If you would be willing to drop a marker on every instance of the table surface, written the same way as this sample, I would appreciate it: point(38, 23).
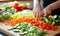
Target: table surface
point(3, 34)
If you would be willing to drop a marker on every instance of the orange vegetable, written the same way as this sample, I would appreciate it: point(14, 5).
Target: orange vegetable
point(18, 20)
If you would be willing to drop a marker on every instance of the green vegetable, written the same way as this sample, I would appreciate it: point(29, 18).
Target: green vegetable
point(6, 15)
point(58, 22)
point(26, 13)
point(11, 11)
point(0, 13)
point(53, 20)
point(45, 19)
point(28, 30)
point(41, 33)
point(0, 17)
point(6, 8)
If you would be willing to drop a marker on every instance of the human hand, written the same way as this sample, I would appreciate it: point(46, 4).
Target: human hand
point(49, 8)
point(37, 14)
point(37, 9)
point(47, 11)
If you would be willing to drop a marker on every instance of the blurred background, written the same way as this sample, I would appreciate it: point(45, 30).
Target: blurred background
point(21, 1)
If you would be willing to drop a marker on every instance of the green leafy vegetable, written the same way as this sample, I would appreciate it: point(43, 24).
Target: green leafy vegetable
point(6, 15)
point(0, 13)
point(46, 19)
point(6, 8)
point(53, 20)
point(28, 30)
point(11, 11)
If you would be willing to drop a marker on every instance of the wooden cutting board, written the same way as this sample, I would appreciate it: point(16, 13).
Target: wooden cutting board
point(3, 28)
point(53, 33)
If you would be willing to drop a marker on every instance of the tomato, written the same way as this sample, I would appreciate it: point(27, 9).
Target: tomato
point(20, 8)
point(16, 6)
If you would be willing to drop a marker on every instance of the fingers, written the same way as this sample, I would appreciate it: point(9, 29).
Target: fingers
point(46, 12)
point(38, 15)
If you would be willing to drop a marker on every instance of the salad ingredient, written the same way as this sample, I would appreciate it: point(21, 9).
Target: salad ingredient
point(0, 13)
point(44, 26)
point(18, 7)
point(28, 29)
point(51, 19)
point(11, 11)
point(15, 5)
point(6, 8)
point(0, 17)
point(25, 5)
point(24, 16)
point(58, 21)
point(17, 20)
point(25, 13)
point(6, 15)
point(40, 24)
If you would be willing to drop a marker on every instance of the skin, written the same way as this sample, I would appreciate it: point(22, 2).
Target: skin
point(46, 11)
point(49, 8)
point(36, 9)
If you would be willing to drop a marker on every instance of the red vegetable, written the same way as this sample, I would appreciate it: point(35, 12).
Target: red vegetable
point(43, 25)
point(53, 28)
point(20, 8)
point(16, 5)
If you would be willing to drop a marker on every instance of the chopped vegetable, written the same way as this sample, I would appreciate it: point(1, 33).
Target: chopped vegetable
point(0, 13)
point(11, 11)
point(6, 8)
point(0, 17)
point(17, 20)
point(51, 19)
point(24, 16)
point(28, 30)
point(25, 5)
point(6, 15)
point(25, 13)
point(44, 26)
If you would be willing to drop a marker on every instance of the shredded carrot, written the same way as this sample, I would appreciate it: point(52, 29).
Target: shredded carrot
point(18, 20)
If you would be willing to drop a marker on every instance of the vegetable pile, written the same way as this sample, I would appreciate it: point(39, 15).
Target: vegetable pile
point(53, 20)
point(28, 30)
point(24, 21)
point(14, 5)
point(28, 16)
point(24, 16)
point(44, 26)
point(4, 16)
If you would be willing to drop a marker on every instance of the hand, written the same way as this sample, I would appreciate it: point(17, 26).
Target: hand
point(37, 9)
point(49, 8)
point(47, 11)
point(37, 14)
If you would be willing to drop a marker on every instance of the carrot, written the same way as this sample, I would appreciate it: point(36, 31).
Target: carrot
point(18, 20)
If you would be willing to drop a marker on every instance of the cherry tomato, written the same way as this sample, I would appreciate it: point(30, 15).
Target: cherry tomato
point(16, 5)
point(20, 8)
